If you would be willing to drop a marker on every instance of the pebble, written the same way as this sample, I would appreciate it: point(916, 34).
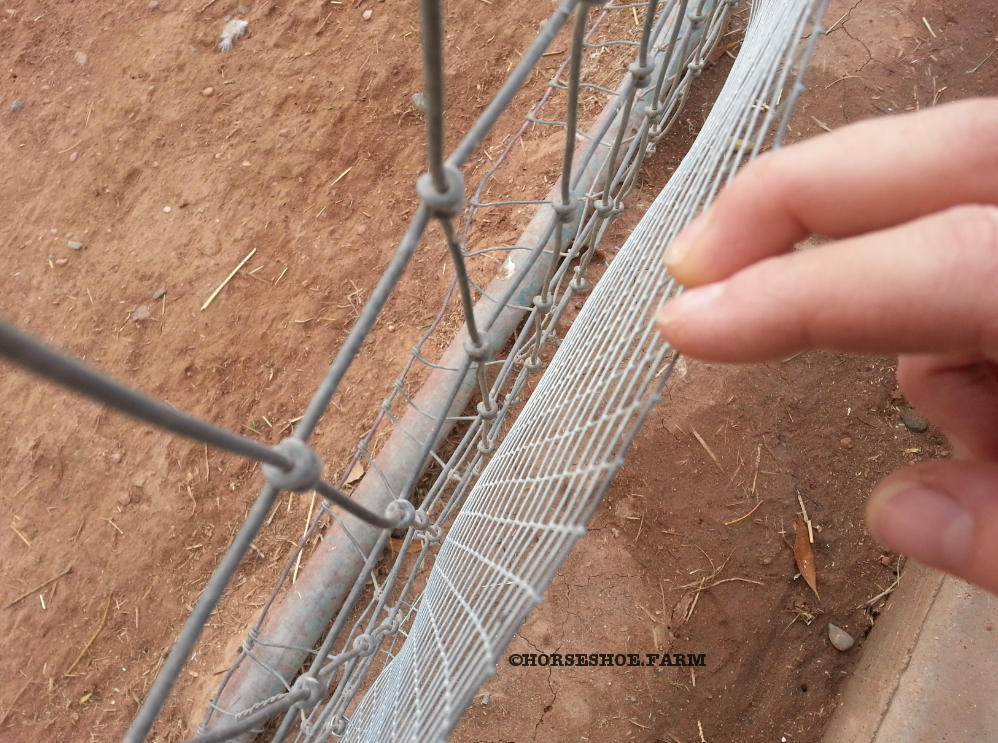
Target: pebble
point(17, 105)
point(141, 313)
point(419, 101)
point(913, 421)
point(74, 245)
point(167, 210)
point(54, 231)
point(208, 91)
point(115, 457)
point(73, 157)
point(80, 57)
point(159, 294)
point(840, 639)
point(845, 442)
point(366, 15)
point(62, 261)
point(153, 4)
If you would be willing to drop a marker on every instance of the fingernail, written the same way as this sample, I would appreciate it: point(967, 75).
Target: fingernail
point(926, 524)
point(687, 240)
point(690, 302)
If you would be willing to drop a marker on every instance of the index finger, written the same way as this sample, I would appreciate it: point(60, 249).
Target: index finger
point(863, 177)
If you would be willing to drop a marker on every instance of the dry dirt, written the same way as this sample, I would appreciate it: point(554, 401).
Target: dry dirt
point(129, 109)
point(821, 426)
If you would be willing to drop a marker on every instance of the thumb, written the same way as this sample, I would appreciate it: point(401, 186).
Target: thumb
point(944, 514)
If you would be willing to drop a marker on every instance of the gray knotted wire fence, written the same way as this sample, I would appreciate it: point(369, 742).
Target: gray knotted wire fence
point(509, 499)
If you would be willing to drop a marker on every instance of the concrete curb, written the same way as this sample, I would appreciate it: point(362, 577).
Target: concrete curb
point(929, 670)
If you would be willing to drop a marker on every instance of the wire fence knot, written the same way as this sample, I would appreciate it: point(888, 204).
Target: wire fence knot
point(641, 74)
point(402, 512)
point(314, 689)
point(605, 207)
point(364, 644)
point(433, 534)
point(566, 211)
point(442, 204)
point(478, 352)
point(305, 472)
point(542, 304)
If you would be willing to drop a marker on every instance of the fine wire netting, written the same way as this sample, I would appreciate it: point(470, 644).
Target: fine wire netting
point(675, 40)
point(536, 494)
point(488, 456)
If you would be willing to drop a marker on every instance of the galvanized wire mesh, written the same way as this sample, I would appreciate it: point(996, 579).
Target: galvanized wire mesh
point(396, 652)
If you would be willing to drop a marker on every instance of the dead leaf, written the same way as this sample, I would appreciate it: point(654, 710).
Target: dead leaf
point(804, 555)
point(356, 472)
point(682, 608)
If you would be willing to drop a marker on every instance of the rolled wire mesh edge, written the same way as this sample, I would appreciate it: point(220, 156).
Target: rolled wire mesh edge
point(329, 579)
point(537, 492)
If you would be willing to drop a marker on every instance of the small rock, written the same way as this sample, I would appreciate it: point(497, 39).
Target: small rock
point(845, 442)
point(62, 261)
point(419, 101)
point(913, 421)
point(242, 9)
point(80, 57)
point(840, 639)
point(167, 210)
point(124, 499)
point(73, 157)
point(208, 91)
point(886, 560)
point(141, 313)
point(366, 15)
point(246, 163)
point(54, 231)
point(17, 105)
point(115, 457)
point(766, 561)
point(153, 4)
point(74, 245)
point(159, 294)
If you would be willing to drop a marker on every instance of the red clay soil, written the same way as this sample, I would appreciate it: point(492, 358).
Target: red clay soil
point(170, 162)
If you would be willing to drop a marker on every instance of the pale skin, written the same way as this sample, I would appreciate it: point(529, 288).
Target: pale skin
point(911, 202)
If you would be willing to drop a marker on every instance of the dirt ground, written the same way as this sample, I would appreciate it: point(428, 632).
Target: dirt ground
point(821, 427)
point(170, 162)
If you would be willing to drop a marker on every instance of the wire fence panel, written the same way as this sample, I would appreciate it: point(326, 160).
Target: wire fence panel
point(477, 485)
point(537, 492)
point(551, 258)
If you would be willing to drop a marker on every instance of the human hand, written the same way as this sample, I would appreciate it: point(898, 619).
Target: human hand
point(912, 202)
